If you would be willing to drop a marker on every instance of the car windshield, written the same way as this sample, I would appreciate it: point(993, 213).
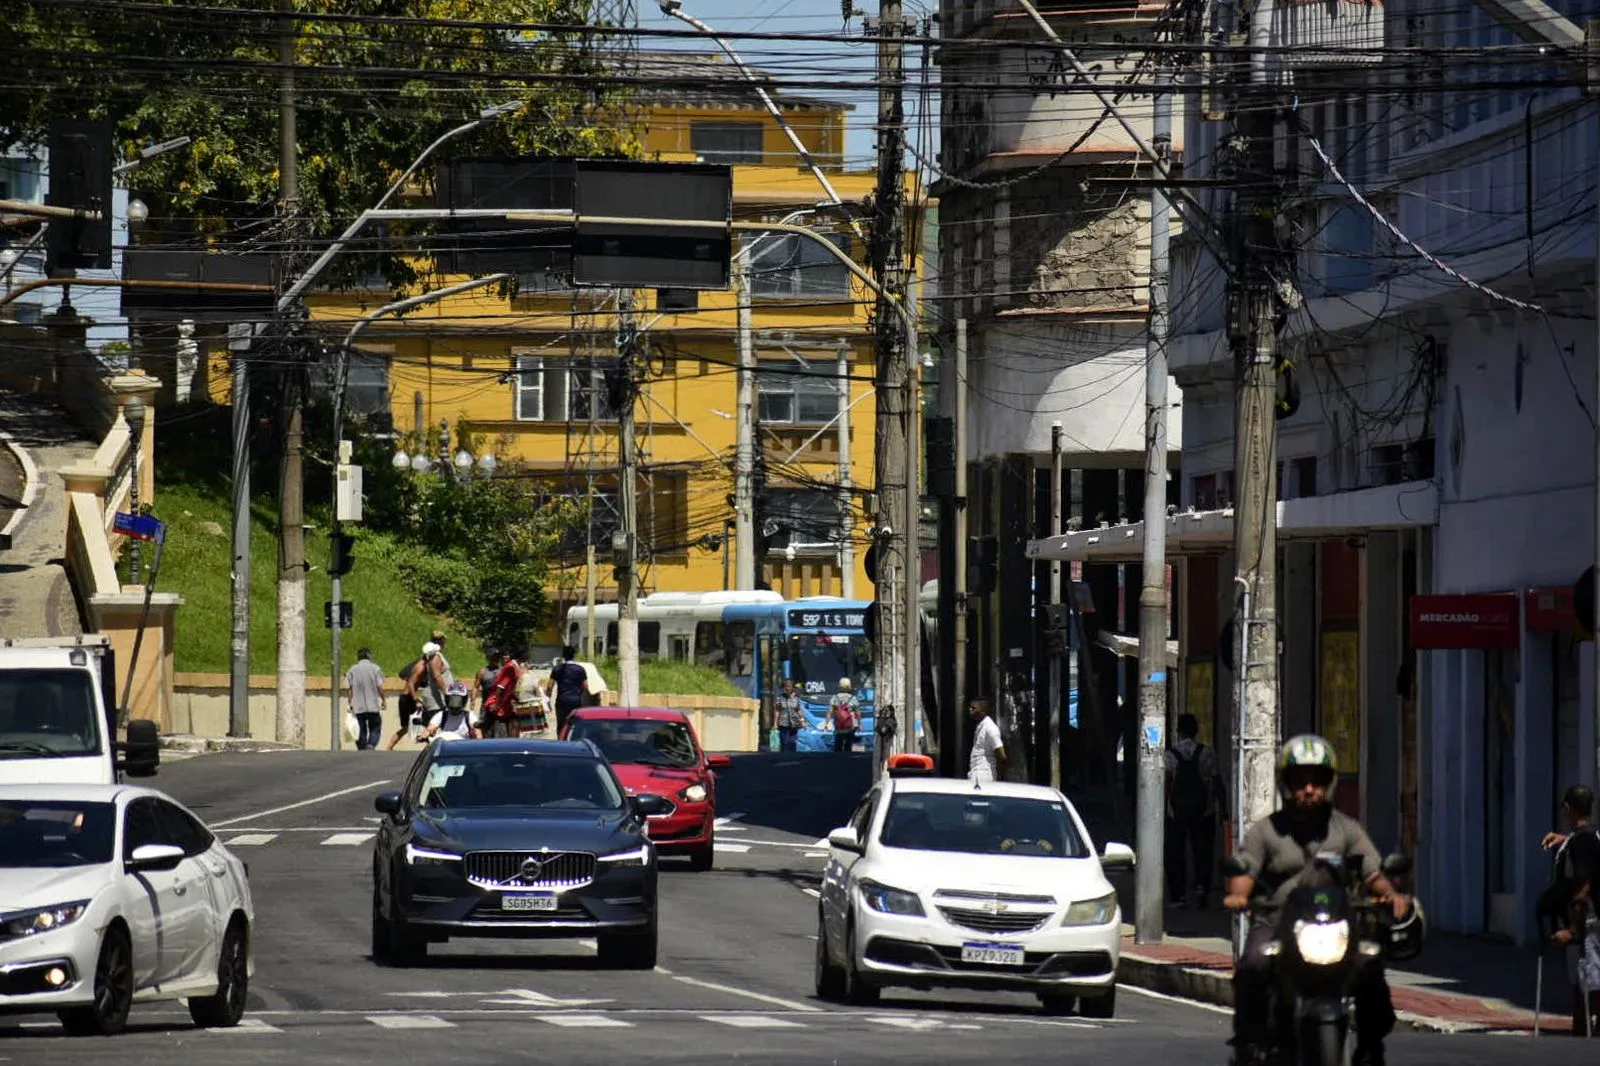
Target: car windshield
point(638, 740)
point(977, 824)
point(461, 778)
point(817, 661)
point(47, 712)
point(37, 833)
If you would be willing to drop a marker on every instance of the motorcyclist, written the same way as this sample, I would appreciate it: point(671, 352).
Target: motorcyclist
point(1277, 852)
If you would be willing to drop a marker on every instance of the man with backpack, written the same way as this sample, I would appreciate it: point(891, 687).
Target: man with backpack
point(1193, 790)
point(410, 676)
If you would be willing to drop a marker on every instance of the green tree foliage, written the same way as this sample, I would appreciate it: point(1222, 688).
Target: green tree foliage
point(377, 81)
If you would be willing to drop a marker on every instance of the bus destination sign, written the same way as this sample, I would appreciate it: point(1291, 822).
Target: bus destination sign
point(856, 619)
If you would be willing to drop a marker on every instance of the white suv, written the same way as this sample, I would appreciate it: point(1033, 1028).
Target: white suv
point(946, 883)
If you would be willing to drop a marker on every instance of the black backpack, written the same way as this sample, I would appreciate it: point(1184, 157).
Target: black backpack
point(1188, 785)
point(406, 670)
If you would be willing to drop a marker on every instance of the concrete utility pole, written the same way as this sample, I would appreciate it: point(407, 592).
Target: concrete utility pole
point(1252, 313)
point(1151, 803)
point(1054, 687)
point(628, 510)
point(291, 703)
point(847, 525)
point(744, 539)
point(239, 665)
point(892, 466)
point(953, 564)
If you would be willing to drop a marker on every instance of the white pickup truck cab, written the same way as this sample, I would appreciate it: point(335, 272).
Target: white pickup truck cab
point(58, 715)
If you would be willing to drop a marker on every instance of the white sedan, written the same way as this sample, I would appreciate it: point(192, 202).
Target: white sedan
point(944, 883)
point(111, 895)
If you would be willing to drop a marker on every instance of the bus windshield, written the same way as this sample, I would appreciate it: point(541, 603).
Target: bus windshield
point(818, 660)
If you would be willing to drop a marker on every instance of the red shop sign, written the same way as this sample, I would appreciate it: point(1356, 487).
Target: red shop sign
point(1464, 622)
point(1551, 610)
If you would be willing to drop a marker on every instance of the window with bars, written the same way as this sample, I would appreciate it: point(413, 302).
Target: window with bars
point(788, 266)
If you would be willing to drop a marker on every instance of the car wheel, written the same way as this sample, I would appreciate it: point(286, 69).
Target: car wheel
point(829, 977)
point(1054, 1003)
point(1099, 1006)
point(702, 860)
point(856, 991)
point(225, 1007)
point(629, 952)
point(113, 990)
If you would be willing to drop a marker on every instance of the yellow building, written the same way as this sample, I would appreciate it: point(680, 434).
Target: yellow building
point(522, 375)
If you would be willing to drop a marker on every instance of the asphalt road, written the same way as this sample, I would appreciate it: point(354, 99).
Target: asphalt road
point(733, 985)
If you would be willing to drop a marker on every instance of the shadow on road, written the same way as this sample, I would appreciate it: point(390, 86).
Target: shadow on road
point(805, 793)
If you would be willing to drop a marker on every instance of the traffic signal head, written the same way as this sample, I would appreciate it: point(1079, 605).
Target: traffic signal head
point(80, 178)
point(342, 554)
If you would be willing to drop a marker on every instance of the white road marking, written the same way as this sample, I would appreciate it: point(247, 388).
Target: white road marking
point(347, 839)
point(303, 803)
point(819, 844)
point(250, 1025)
point(734, 849)
point(921, 1024)
point(250, 840)
point(1212, 1007)
point(813, 893)
point(592, 945)
point(816, 855)
point(409, 1021)
point(750, 1021)
point(787, 1004)
point(586, 1021)
point(526, 997)
point(721, 828)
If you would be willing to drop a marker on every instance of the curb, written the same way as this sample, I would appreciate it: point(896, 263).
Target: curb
point(1215, 986)
point(193, 745)
point(30, 481)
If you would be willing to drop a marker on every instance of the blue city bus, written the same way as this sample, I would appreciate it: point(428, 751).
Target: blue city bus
point(814, 642)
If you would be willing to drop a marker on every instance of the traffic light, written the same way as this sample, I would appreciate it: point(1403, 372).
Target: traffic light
point(342, 554)
point(80, 178)
point(983, 557)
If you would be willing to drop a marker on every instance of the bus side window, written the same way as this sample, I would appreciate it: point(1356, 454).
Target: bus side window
point(650, 639)
point(741, 644)
point(574, 632)
point(611, 640)
point(708, 646)
point(680, 648)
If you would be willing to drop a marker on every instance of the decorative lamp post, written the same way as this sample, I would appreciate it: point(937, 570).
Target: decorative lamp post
point(134, 414)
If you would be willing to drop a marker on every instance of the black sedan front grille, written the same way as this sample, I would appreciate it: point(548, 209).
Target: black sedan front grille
point(526, 869)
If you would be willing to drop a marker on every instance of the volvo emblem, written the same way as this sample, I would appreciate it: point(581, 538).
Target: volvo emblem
point(531, 868)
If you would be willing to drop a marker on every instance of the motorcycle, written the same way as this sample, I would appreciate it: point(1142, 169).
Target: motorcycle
point(1326, 931)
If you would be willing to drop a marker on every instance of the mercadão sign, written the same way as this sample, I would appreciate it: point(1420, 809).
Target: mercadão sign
point(1483, 622)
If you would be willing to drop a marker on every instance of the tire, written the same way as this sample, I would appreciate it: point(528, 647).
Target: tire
point(1056, 1004)
point(224, 1008)
point(393, 941)
point(829, 977)
point(702, 860)
point(1099, 1006)
point(113, 990)
point(857, 992)
point(382, 942)
point(629, 951)
point(1323, 1044)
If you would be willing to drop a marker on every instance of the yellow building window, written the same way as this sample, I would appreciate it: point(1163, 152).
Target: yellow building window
point(727, 142)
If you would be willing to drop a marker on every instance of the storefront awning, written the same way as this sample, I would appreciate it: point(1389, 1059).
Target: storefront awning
point(1405, 506)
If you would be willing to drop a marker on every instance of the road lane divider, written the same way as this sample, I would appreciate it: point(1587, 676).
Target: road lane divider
point(303, 803)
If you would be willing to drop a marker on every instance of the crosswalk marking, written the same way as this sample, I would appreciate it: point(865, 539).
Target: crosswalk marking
point(750, 1021)
point(816, 855)
point(585, 1021)
point(250, 1025)
point(737, 849)
point(250, 840)
point(409, 1021)
point(347, 839)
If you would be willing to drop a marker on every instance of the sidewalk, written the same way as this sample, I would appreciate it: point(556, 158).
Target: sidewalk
point(37, 439)
point(1457, 984)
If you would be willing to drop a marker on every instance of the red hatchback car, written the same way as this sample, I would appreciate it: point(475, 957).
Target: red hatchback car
point(654, 751)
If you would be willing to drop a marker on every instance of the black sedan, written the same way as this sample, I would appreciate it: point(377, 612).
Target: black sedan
point(514, 839)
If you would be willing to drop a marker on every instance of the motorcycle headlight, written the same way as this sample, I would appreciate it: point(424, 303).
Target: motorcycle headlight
point(695, 793)
point(1322, 943)
point(639, 856)
point(1092, 911)
point(887, 900)
point(420, 856)
point(41, 920)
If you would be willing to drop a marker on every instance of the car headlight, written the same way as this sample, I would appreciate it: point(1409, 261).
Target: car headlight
point(1322, 943)
point(695, 793)
point(1092, 911)
point(41, 920)
point(417, 856)
point(887, 900)
point(639, 856)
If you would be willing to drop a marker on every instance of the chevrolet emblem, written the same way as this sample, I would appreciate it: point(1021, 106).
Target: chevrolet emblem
point(994, 906)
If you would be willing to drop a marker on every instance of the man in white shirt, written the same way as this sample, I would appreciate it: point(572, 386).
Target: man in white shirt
point(988, 749)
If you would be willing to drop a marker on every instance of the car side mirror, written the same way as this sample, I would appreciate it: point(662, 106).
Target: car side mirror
point(845, 839)
point(1233, 866)
point(720, 762)
point(141, 751)
point(1396, 866)
point(387, 803)
point(650, 806)
point(155, 857)
point(1117, 857)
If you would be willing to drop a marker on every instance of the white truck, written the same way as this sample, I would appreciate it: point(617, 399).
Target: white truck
point(58, 715)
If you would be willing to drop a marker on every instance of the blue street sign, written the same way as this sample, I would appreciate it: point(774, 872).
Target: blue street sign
point(139, 526)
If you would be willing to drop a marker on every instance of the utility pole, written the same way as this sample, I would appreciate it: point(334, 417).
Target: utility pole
point(1252, 313)
point(591, 642)
point(628, 509)
point(847, 526)
point(1149, 926)
point(892, 467)
point(744, 543)
point(239, 658)
point(1055, 597)
point(291, 703)
point(912, 574)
